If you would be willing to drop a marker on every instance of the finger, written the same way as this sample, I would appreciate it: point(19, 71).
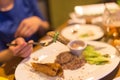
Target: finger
point(13, 48)
point(25, 31)
point(28, 52)
point(20, 40)
point(27, 47)
point(31, 41)
point(17, 49)
point(19, 29)
point(29, 32)
point(13, 42)
point(20, 43)
point(25, 50)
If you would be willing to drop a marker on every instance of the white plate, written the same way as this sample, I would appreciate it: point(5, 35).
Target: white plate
point(87, 72)
point(97, 32)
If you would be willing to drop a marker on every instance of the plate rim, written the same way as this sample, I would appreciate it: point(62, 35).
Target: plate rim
point(91, 25)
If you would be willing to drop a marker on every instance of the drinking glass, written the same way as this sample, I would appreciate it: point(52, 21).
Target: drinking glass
point(111, 23)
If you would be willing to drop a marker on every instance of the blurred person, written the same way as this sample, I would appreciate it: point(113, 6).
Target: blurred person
point(20, 18)
point(21, 49)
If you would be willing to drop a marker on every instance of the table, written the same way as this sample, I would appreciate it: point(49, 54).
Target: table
point(7, 70)
point(113, 74)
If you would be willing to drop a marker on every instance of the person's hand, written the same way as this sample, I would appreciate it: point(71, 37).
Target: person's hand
point(23, 49)
point(29, 26)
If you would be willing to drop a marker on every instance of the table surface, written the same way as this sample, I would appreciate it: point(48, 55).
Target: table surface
point(7, 69)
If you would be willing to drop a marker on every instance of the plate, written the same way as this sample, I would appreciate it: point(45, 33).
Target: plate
point(82, 32)
point(86, 72)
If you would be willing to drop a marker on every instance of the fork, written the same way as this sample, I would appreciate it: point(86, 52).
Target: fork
point(34, 43)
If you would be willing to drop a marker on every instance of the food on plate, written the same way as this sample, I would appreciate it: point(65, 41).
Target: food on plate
point(94, 57)
point(55, 36)
point(64, 57)
point(59, 37)
point(69, 61)
point(77, 44)
point(88, 34)
point(35, 58)
point(74, 31)
point(50, 69)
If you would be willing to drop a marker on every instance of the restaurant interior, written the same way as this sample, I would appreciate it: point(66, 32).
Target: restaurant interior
point(57, 12)
point(82, 44)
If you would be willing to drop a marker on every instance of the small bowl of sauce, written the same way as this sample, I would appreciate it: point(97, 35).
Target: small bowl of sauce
point(77, 46)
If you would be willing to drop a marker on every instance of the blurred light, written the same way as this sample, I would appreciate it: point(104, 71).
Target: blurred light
point(91, 78)
point(78, 10)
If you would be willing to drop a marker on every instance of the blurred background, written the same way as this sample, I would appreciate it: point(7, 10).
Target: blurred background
point(57, 11)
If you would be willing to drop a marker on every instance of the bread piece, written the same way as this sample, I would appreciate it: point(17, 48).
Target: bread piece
point(60, 37)
point(50, 69)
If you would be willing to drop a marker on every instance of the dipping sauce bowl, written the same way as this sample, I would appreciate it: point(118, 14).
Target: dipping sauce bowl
point(77, 46)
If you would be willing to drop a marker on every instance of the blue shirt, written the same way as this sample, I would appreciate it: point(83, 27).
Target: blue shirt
point(10, 20)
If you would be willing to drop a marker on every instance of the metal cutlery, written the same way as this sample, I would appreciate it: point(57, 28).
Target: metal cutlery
point(46, 43)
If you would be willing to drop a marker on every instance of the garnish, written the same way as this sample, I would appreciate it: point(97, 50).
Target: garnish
point(94, 57)
point(55, 36)
point(88, 34)
point(84, 35)
point(74, 31)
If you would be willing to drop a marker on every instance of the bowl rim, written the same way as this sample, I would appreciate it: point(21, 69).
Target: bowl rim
point(79, 48)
